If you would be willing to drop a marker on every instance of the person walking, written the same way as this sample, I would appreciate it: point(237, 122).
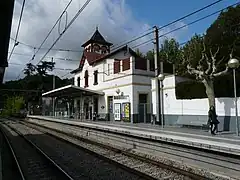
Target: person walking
point(213, 121)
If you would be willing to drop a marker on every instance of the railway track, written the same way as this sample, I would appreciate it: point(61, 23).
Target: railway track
point(79, 162)
point(145, 165)
point(220, 162)
point(31, 161)
point(10, 168)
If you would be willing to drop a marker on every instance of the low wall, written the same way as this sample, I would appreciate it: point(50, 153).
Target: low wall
point(195, 110)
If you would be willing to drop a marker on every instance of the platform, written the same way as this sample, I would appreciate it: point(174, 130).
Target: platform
point(227, 143)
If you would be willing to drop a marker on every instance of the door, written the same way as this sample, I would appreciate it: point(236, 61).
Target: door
point(86, 111)
point(95, 104)
point(142, 108)
point(110, 108)
point(90, 113)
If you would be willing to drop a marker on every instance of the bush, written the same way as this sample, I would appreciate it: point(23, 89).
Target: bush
point(13, 106)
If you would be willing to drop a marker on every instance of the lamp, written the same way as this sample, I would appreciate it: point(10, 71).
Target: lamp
point(161, 77)
point(234, 64)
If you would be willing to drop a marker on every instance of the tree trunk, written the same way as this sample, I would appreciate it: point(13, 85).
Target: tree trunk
point(208, 83)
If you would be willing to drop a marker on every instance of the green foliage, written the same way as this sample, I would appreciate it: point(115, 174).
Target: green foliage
point(139, 53)
point(224, 33)
point(13, 105)
point(196, 90)
point(169, 51)
point(29, 83)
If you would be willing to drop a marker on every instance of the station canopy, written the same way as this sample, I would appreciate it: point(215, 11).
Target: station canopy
point(71, 91)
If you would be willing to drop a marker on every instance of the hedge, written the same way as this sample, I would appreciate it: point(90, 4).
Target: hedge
point(223, 87)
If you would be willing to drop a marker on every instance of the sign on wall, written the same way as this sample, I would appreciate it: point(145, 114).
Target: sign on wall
point(126, 111)
point(117, 111)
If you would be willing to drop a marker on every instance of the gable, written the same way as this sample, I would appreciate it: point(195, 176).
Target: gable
point(93, 57)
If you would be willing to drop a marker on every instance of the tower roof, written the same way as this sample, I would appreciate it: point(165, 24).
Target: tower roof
point(97, 38)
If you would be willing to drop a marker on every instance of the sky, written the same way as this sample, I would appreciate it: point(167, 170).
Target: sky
point(117, 20)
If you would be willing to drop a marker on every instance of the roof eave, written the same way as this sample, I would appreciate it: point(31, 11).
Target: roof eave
point(75, 71)
point(92, 41)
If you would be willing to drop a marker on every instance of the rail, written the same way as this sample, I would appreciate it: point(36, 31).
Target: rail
point(13, 153)
point(41, 152)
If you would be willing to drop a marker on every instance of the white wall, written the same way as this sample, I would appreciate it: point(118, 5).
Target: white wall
point(125, 81)
point(172, 106)
point(105, 69)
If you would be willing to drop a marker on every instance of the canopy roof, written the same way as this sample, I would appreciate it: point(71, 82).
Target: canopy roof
point(71, 91)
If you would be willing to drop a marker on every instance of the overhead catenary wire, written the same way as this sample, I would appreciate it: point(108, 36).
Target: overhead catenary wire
point(190, 14)
point(42, 48)
point(48, 34)
point(58, 58)
point(205, 7)
point(58, 20)
point(66, 28)
point(132, 37)
point(18, 28)
point(172, 22)
point(69, 24)
point(181, 27)
point(186, 25)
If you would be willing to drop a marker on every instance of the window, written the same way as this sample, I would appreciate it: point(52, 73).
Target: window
point(126, 64)
point(86, 78)
point(116, 66)
point(108, 70)
point(96, 48)
point(78, 81)
point(104, 50)
point(95, 74)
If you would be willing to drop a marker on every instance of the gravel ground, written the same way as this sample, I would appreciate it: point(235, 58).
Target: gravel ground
point(78, 163)
point(150, 169)
point(162, 157)
point(9, 167)
point(34, 165)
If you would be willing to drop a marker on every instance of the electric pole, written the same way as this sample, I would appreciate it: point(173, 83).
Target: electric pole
point(157, 65)
point(53, 99)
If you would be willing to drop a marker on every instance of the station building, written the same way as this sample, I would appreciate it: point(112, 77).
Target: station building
point(113, 83)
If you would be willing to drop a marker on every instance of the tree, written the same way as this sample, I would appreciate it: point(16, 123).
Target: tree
point(170, 54)
point(170, 51)
point(207, 57)
point(40, 69)
point(202, 66)
point(30, 69)
point(139, 53)
point(44, 67)
point(224, 33)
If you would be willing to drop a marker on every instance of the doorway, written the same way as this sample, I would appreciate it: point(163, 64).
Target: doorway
point(110, 108)
point(90, 112)
point(95, 104)
point(142, 108)
point(86, 110)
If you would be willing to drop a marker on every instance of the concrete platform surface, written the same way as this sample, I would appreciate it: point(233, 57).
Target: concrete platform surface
point(228, 143)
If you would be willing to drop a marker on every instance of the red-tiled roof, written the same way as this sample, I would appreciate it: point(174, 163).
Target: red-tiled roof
point(93, 57)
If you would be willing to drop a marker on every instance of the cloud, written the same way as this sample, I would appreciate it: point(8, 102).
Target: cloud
point(113, 17)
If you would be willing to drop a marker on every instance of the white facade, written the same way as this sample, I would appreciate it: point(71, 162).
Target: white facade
point(176, 110)
point(130, 83)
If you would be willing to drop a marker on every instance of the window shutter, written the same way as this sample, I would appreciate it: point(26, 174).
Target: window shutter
point(116, 66)
point(126, 64)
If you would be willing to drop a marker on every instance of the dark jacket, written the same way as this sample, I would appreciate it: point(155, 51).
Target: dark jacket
point(213, 117)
